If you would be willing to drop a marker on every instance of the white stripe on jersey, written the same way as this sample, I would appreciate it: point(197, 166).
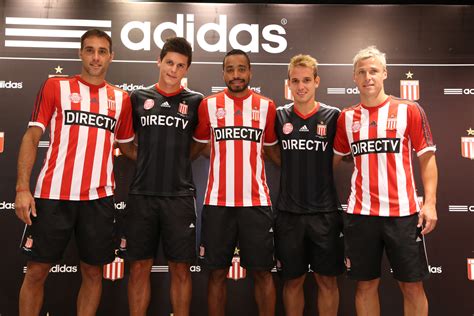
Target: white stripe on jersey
point(382, 164)
point(262, 121)
point(352, 198)
point(229, 155)
point(246, 168)
point(364, 134)
point(213, 195)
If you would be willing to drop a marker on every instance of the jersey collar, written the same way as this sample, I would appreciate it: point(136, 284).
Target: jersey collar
point(168, 94)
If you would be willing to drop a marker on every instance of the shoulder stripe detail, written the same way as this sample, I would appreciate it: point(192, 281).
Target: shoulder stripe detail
point(286, 106)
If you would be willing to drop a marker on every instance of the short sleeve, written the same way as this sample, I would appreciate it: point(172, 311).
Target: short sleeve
point(44, 105)
point(270, 135)
point(419, 130)
point(341, 142)
point(124, 133)
point(202, 133)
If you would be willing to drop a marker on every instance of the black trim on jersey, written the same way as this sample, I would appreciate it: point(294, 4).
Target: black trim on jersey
point(306, 180)
point(164, 126)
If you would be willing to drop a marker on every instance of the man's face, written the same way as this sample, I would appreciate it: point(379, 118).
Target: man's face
point(237, 73)
point(369, 75)
point(96, 57)
point(303, 84)
point(173, 68)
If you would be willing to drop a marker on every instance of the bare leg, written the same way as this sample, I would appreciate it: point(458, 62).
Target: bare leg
point(181, 288)
point(217, 292)
point(264, 293)
point(293, 296)
point(328, 295)
point(91, 289)
point(414, 299)
point(32, 289)
point(367, 298)
point(139, 286)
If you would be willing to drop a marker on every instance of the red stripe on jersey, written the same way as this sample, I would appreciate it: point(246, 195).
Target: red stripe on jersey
point(253, 159)
point(374, 169)
point(221, 122)
point(358, 165)
point(392, 167)
point(72, 147)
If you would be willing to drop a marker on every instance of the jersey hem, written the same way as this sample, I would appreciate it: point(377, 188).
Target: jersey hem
point(72, 198)
point(237, 205)
point(161, 193)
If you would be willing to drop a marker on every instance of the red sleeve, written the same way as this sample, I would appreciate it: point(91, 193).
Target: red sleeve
point(124, 132)
point(341, 142)
point(44, 105)
point(419, 130)
point(202, 133)
point(270, 137)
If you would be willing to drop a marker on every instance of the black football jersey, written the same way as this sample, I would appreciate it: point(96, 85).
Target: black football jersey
point(306, 145)
point(164, 125)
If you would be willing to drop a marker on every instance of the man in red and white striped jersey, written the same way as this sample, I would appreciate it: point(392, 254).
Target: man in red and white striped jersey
point(86, 115)
point(237, 208)
point(382, 213)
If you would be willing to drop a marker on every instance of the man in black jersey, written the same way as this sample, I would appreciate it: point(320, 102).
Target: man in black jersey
point(161, 201)
point(308, 224)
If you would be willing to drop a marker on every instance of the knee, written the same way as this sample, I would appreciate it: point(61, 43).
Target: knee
point(180, 271)
point(367, 287)
point(412, 290)
point(140, 268)
point(292, 285)
point(327, 283)
point(37, 273)
point(218, 276)
point(263, 277)
point(91, 273)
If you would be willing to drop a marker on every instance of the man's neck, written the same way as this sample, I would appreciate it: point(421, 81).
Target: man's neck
point(307, 107)
point(167, 88)
point(238, 95)
point(373, 101)
point(96, 81)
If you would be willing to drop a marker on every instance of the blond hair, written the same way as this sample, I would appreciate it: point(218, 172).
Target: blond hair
point(370, 52)
point(303, 61)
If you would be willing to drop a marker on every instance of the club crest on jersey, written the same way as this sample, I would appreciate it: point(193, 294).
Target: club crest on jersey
point(148, 104)
point(75, 97)
point(183, 109)
point(391, 123)
point(321, 129)
point(111, 105)
point(255, 115)
point(287, 128)
point(220, 113)
point(356, 126)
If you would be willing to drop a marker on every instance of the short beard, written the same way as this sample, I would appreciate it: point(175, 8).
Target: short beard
point(237, 90)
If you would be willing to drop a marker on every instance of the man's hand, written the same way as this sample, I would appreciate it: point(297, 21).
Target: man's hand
point(427, 218)
point(24, 206)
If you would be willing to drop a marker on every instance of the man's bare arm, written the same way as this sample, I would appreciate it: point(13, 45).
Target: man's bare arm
point(429, 176)
point(24, 201)
point(273, 153)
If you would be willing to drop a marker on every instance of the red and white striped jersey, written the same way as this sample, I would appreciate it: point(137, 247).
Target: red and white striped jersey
point(381, 140)
point(237, 129)
point(84, 121)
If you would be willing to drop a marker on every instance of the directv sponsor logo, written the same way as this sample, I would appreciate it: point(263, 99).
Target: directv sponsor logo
point(237, 133)
point(343, 90)
point(46, 33)
point(458, 91)
point(11, 85)
point(58, 269)
point(130, 86)
point(461, 208)
point(7, 206)
point(304, 144)
point(380, 145)
point(215, 89)
point(163, 120)
point(89, 119)
point(164, 269)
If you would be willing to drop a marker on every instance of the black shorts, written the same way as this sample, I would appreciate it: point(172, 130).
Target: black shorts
point(309, 241)
point(249, 228)
point(366, 237)
point(149, 217)
point(93, 223)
